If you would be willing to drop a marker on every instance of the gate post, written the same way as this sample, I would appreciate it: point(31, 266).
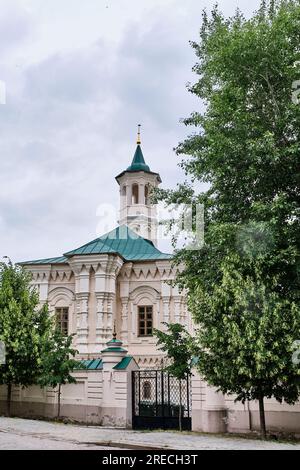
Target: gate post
point(209, 412)
point(214, 411)
point(116, 407)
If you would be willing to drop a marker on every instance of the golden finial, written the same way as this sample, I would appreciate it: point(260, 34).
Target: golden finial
point(139, 135)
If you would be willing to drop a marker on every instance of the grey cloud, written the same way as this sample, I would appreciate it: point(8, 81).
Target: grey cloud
point(16, 24)
point(70, 78)
point(69, 127)
point(152, 63)
point(68, 132)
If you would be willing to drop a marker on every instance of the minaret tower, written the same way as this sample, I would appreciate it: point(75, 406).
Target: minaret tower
point(136, 183)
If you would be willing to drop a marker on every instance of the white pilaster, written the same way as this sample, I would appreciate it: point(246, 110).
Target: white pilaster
point(82, 293)
point(124, 320)
point(106, 268)
point(82, 299)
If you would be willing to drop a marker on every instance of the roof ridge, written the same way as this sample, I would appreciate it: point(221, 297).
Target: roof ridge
point(105, 236)
point(68, 253)
point(127, 244)
point(52, 260)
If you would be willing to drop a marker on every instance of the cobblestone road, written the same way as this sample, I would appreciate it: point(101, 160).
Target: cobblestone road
point(22, 434)
point(12, 441)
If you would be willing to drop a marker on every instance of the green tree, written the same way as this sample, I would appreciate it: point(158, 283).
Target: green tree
point(245, 343)
point(58, 363)
point(24, 329)
point(176, 342)
point(246, 145)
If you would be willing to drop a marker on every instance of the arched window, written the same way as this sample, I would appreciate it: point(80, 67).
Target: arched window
point(146, 390)
point(123, 196)
point(135, 194)
point(136, 228)
point(147, 194)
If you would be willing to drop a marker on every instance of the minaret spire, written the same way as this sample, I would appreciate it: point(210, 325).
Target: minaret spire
point(136, 183)
point(138, 141)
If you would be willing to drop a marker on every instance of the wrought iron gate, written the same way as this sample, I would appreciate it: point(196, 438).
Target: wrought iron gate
point(156, 400)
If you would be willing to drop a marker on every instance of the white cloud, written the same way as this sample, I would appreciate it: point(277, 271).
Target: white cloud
point(79, 78)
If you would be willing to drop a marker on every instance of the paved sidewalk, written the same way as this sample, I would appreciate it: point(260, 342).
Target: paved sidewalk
point(18, 433)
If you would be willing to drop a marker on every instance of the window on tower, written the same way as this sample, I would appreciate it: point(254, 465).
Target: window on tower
point(147, 194)
point(135, 194)
point(123, 196)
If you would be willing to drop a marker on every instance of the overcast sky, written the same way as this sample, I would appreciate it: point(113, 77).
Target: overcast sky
point(80, 75)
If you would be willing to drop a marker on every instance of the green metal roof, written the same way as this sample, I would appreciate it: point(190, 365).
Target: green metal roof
point(59, 260)
point(113, 341)
point(138, 163)
point(117, 349)
point(124, 363)
point(97, 364)
point(123, 241)
point(91, 364)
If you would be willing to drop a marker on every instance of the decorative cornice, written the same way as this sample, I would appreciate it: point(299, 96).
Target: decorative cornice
point(126, 270)
point(108, 264)
point(62, 274)
point(82, 295)
point(41, 275)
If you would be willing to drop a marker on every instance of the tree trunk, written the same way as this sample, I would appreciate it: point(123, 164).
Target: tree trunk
point(180, 406)
point(8, 399)
point(58, 401)
point(249, 415)
point(262, 417)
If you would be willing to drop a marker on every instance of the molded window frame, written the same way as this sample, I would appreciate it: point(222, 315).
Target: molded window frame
point(62, 319)
point(145, 317)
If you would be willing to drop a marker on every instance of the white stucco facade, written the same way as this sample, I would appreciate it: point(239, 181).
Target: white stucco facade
point(101, 291)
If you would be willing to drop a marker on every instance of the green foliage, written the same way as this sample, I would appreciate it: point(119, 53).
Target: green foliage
point(24, 327)
point(176, 342)
point(243, 286)
point(59, 362)
point(245, 342)
point(36, 351)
